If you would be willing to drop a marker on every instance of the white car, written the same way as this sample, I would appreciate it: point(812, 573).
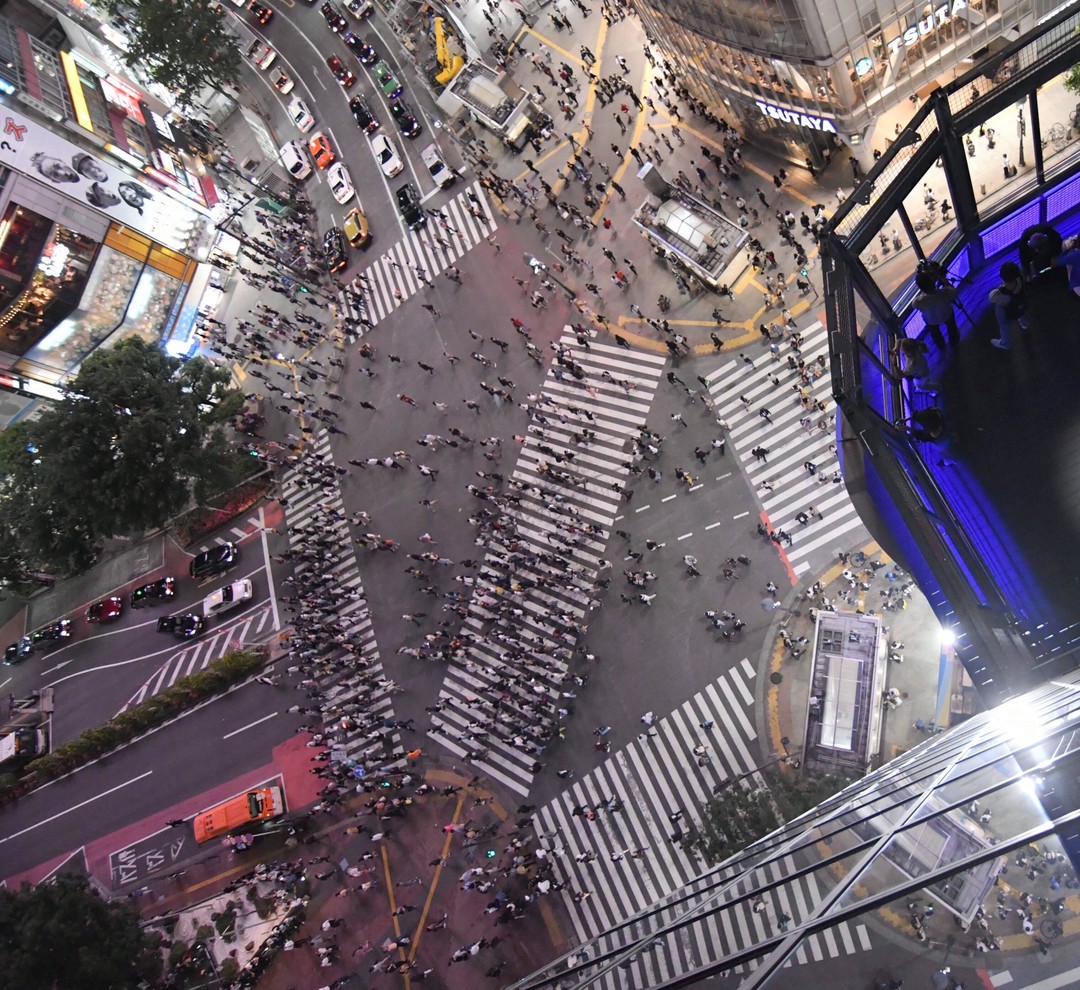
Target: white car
point(383, 150)
point(295, 160)
point(340, 182)
point(226, 598)
point(301, 115)
point(283, 82)
point(262, 55)
point(440, 172)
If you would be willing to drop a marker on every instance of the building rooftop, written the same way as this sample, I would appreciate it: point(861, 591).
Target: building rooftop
point(701, 237)
point(492, 94)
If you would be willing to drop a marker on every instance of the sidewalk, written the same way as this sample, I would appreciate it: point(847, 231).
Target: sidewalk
point(919, 678)
point(928, 679)
point(408, 871)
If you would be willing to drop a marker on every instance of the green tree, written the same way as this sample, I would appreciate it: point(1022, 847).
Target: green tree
point(62, 936)
point(1072, 79)
point(184, 45)
point(137, 437)
point(741, 814)
point(731, 821)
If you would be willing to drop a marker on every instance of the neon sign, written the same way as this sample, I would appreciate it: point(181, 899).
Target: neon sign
point(790, 116)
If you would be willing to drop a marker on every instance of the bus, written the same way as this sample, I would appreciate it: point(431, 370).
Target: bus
point(258, 805)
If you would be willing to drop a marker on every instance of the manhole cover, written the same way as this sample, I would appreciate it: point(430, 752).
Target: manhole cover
point(776, 677)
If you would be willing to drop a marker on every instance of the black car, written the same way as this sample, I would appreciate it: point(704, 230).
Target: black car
point(335, 19)
point(408, 204)
point(18, 651)
point(406, 119)
point(335, 253)
point(51, 635)
point(154, 593)
point(360, 49)
point(182, 626)
point(261, 11)
point(362, 114)
point(216, 560)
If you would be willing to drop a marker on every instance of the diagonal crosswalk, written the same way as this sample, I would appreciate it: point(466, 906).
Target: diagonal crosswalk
point(433, 248)
point(619, 849)
point(251, 627)
point(357, 681)
point(567, 480)
point(797, 434)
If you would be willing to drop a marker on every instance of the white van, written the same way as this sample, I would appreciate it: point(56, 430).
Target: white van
point(440, 172)
point(294, 160)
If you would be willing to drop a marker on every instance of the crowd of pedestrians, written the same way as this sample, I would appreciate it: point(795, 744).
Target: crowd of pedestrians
point(527, 597)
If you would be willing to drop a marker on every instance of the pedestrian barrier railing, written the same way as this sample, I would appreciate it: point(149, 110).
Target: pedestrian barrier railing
point(972, 563)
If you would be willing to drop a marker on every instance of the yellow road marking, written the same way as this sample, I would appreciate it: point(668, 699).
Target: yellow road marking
point(419, 934)
point(544, 40)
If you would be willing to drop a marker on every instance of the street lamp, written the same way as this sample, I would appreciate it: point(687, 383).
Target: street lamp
point(785, 758)
point(1021, 130)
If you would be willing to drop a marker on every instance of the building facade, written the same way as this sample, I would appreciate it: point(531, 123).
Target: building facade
point(806, 78)
point(104, 213)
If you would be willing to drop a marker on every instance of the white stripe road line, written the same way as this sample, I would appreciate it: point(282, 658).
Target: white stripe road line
point(652, 780)
point(250, 725)
point(598, 476)
point(741, 515)
point(712, 526)
point(684, 536)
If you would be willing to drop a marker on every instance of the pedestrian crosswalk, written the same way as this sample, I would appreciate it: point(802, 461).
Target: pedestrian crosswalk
point(251, 627)
point(797, 433)
point(568, 478)
point(618, 847)
point(350, 616)
point(236, 533)
point(392, 278)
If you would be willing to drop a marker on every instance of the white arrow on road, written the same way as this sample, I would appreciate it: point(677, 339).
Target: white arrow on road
point(59, 666)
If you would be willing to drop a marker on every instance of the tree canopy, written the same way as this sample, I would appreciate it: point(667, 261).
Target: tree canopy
point(184, 45)
point(62, 936)
point(741, 814)
point(136, 439)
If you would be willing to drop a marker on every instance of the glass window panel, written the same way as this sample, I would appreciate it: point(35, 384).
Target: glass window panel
point(149, 307)
point(1059, 124)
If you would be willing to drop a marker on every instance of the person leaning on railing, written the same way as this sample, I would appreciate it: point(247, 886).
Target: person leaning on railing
point(1070, 259)
point(935, 302)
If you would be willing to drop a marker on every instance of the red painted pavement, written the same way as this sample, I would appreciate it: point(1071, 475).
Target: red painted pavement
point(291, 764)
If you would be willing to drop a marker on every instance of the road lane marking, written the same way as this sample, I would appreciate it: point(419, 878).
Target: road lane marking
point(669, 498)
point(642, 508)
point(75, 807)
point(269, 570)
point(723, 476)
point(694, 488)
point(685, 536)
point(740, 515)
point(711, 526)
point(250, 725)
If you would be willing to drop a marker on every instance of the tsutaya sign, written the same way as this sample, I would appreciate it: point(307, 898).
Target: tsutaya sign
point(928, 25)
point(791, 116)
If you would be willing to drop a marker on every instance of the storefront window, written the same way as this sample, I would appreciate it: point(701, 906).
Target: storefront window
point(137, 140)
point(99, 313)
point(149, 307)
point(43, 272)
